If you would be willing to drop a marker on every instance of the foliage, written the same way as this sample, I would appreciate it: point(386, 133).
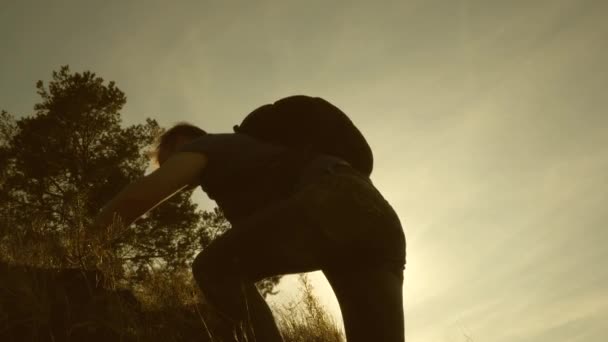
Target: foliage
point(64, 162)
point(60, 165)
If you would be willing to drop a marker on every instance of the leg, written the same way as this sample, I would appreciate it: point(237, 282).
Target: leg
point(234, 298)
point(274, 241)
point(368, 277)
point(337, 221)
point(371, 303)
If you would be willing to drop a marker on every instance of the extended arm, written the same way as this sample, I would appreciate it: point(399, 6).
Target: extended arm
point(178, 172)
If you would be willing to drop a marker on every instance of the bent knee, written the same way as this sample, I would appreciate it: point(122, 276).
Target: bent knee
point(200, 265)
point(220, 284)
point(206, 269)
point(214, 271)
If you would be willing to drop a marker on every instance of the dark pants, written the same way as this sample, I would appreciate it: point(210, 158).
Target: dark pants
point(336, 222)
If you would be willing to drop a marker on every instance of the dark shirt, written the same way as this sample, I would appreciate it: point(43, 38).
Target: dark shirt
point(243, 174)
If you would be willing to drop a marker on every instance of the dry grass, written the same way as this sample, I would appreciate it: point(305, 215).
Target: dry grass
point(36, 303)
point(306, 320)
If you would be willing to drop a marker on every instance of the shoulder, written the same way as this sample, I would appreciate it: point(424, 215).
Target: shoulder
point(213, 139)
point(180, 170)
point(221, 143)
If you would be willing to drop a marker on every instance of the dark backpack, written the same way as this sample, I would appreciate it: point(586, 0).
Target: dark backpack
point(313, 124)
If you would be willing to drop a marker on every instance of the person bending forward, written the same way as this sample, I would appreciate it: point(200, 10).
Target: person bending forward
point(291, 211)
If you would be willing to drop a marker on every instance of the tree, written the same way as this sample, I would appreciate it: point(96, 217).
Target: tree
point(72, 156)
point(7, 131)
point(62, 164)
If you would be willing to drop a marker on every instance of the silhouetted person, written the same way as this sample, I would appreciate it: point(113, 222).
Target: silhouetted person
point(291, 211)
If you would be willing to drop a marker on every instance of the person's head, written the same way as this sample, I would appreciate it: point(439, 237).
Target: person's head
point(172, 139)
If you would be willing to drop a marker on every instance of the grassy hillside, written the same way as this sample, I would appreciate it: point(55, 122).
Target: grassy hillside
point(46, 304)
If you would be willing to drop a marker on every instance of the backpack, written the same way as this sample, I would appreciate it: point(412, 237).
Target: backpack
point(312, 124)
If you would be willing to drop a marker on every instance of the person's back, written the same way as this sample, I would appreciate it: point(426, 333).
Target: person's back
point(244, 174)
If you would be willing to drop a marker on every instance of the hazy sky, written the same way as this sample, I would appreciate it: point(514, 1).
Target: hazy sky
point(487, 118)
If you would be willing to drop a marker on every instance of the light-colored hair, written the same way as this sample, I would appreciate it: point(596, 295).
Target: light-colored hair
point(167, 139)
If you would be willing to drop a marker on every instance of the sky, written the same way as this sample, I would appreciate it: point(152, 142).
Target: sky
point(487, 120)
